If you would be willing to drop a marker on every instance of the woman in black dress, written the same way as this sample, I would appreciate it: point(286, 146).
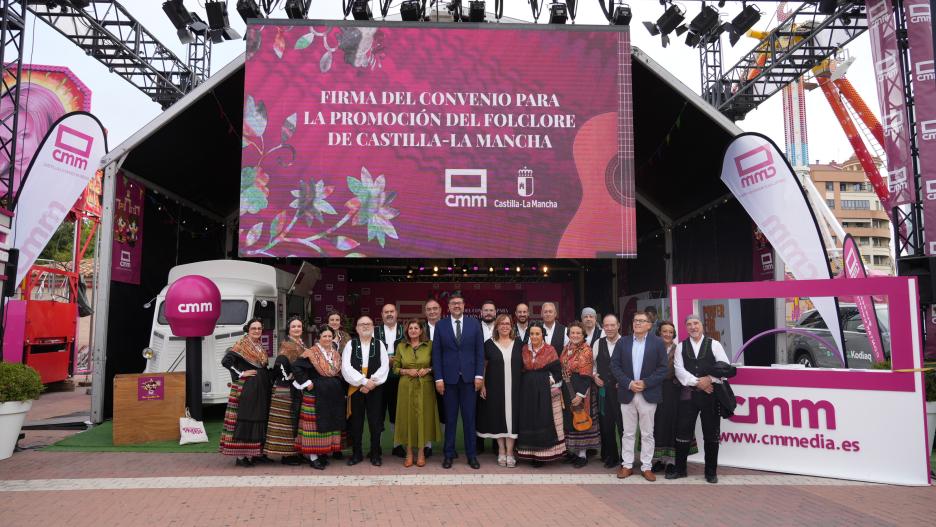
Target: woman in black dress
point(540, 428)
point(497, 413)
point(245, 420)
point(664, 421)
point(322, 418)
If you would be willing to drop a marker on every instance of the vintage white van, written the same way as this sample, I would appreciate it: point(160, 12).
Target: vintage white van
point(248, 290)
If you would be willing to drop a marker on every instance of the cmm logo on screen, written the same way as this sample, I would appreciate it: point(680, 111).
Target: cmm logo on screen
point(466, 187)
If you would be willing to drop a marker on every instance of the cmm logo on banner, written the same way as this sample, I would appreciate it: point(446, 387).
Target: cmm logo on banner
point(65, 162)
point(770, 193)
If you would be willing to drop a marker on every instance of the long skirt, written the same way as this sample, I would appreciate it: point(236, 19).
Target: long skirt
point(586, 439)
point(556, 451)
point(240, 447)
point(281, 426)
point(310, 440)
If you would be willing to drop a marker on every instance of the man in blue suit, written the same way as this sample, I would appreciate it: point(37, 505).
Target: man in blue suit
point(458, 368)
point(639, 363)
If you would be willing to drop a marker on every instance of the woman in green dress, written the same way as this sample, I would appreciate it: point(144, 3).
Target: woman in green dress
point(416, 414)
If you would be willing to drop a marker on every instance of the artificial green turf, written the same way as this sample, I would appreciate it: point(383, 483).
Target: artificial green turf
point(100, 439)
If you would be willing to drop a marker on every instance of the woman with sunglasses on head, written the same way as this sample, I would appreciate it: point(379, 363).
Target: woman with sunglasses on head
point(245, 420)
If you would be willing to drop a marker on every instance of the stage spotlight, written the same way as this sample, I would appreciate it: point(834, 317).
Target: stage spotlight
point(827, 7)
point(668, 21)
point(558, 13)
point(198, 26)
point(219, 22)
point(518, 268)
point(476, 11)
point(411, 11)
point(701, 25)
point(545, 268)
point(180, 18)
point(490, 269)
point(743, 22)
point(249, 9)
point(361, 10)
point(297, 9)
point(435, 269)
point(622, 15)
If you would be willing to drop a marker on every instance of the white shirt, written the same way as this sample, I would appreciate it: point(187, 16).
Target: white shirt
point(390, 338)
point(354, 377)
point(588, 336)
point(611, 345)
point(487, 330)
point(521, 330)
point(688, 379)
point(431, 329)
point(548, 336)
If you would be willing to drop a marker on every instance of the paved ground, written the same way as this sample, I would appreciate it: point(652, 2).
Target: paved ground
point(100, 489)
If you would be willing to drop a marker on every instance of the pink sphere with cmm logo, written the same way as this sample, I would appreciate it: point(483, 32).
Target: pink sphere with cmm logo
point(193, 305)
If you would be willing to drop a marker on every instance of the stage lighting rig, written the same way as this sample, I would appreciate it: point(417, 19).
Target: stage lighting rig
point(668, 21)
point(622, 15)
point(700, 26)
point(558, 13)
point(827, 7)
point(476, 11)
point(297, 9)
point(181, 19)
point(411, 11)
point(743, 22)
point(249, 9)
point(361, 10)
point(218, 22)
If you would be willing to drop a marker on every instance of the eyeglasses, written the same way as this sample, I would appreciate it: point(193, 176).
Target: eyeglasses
point(640, 321)
point(364, 324)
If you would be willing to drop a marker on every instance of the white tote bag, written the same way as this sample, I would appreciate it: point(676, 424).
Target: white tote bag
point(191, 430)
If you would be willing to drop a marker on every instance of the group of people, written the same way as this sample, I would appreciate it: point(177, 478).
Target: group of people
point(541, 391)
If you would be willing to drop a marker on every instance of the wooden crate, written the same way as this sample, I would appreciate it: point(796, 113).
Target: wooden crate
point(147, 407)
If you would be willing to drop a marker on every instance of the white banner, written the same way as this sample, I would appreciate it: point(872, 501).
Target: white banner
point(61, 169)
point(762, 180)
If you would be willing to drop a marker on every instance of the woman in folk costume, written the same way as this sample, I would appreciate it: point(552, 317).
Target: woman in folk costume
point(335, 320)
point(416, 414)
point(322, 417)
point(284, 406)
point(664, 421)
point(540, 431)
point(245, 420)
point(577, 370)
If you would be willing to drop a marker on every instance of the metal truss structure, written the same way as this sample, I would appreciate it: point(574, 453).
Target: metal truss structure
point(794, 47)
point(12, 33)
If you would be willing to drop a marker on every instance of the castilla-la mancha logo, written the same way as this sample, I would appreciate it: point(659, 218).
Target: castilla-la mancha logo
point(525, 182)
point(72, 148)
point(755, 166)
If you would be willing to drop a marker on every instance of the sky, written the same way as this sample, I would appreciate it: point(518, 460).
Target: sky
point(123, 109)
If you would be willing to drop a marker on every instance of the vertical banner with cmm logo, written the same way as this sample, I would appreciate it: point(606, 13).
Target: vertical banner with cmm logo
point(63, 165)
point(763, 181)
point(854, 268)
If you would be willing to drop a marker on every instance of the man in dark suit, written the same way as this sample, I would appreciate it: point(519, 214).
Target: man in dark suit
point(639, 363)
point(458, 369)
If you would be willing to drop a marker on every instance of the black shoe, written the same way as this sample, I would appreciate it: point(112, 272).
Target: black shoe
point(670, 469)
point(337, 455)
point(657, 467)
point(611, 463)
point(711, 479)
point(570, 458)
point(324, 460)
point(354, 460)
point(427, 451)
point(676, 475)
point(261, 459)
point(536, 463)
point(399, 451)
point(243, 462)
point(447, 463)
point(376, 461)
point(580, 462)
point(473, 463)
point(317, 464)
point(291, 460)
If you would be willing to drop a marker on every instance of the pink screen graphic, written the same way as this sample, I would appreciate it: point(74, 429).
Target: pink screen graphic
point(365, 140)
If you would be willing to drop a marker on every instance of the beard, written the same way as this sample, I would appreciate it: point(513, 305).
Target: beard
point(366, 333)
point(488, 319)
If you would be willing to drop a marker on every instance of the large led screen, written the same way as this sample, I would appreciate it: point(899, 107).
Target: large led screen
point(425, 140)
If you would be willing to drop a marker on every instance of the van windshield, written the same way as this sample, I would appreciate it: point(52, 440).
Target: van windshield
point(233, 313)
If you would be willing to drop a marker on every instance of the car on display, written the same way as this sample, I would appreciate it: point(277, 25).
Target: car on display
point(810, 352)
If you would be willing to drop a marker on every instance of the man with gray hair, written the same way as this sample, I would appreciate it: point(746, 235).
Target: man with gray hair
point(554, 332)
point(696, 356)
point(592, 330)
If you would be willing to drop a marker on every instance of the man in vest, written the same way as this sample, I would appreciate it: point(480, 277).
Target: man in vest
point(390, 333)
point(590, 321)
point(433, 312)
point(610, 420)
point(364, 366)
point(555, 332)
point(522, 321)
point(695, 355)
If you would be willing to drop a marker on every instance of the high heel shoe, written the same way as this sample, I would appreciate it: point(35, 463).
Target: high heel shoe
point(409, 458)
point(421, 458)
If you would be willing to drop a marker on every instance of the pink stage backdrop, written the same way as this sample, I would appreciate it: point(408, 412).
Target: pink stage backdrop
point(427, 141)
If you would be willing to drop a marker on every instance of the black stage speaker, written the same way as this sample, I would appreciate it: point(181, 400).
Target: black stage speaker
point(923, 268)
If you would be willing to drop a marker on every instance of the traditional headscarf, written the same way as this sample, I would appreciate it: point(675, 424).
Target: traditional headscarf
point(251, 351)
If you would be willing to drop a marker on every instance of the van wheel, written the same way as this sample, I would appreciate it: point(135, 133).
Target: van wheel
point(805, 359)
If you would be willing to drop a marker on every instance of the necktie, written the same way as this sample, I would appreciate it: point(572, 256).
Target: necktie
point(458, 331)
